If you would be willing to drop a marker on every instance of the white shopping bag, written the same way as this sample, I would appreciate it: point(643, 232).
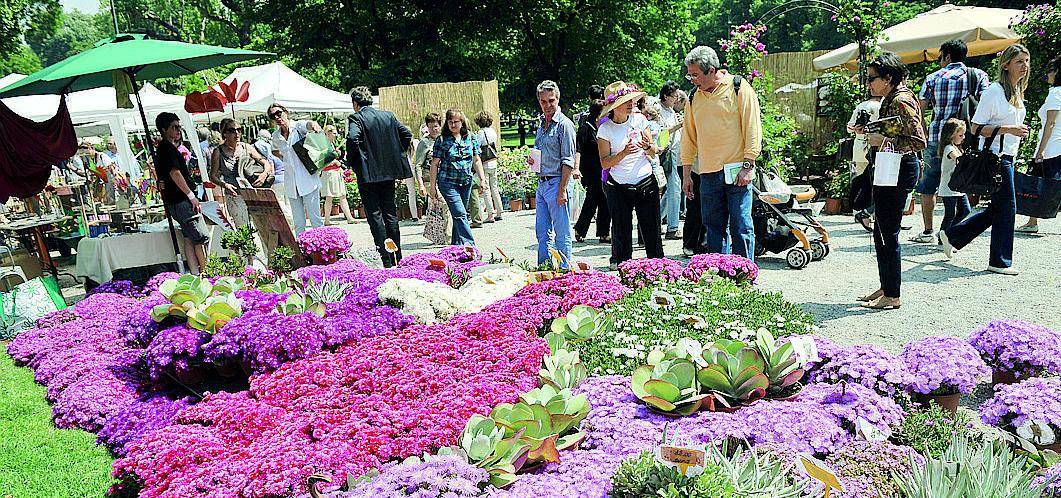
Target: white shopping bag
point(886, 169)
point(576, 198)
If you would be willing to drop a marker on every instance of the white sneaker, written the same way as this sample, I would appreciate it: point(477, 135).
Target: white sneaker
point(948, 250)
point(688, 252)
point(1003, 271)
point(1027, 229)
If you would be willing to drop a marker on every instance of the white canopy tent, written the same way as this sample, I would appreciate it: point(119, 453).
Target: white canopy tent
point(984, 29)
point(275, 82)
point(98, 107)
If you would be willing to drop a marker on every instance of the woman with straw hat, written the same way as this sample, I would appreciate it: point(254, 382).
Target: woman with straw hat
point(628, 154)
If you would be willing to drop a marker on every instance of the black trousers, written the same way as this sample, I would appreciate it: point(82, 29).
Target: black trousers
point(889, 204)
point(382, 214)
point(595, 203)
point(623, 203)
point(693, 231)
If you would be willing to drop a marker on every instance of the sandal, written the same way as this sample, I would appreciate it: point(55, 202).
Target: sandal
point(883, 303)
point(579, 238)
point(873, 296)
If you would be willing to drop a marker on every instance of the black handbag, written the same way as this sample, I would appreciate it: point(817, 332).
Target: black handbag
point(303, 155)
point(979, 171)
point(1036, 196)
point(488, 151)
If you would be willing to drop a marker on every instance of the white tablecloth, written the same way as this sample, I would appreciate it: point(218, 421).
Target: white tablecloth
point(98, 258)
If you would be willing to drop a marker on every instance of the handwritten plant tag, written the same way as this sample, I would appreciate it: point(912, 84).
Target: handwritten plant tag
point(866, 430)
point(688, 461)
point(818, 470)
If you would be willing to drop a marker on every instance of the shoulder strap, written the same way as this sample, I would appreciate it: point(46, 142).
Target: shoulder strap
point(972, 80)
point(737, 79)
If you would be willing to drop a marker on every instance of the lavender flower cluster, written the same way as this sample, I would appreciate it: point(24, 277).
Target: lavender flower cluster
point(944, 365)
point(865, 364)
point(456, 262)
point(1033, 400)
point(122, 287)
point(138, 420)
point(1023, 348)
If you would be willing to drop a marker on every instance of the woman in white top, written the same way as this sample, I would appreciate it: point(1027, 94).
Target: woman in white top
point(1001, 112)
point(627, 153)
point(1048, 153)
point(487, 137)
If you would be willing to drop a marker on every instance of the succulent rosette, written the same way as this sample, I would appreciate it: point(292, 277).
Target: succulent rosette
point(944, 365)
point(1016, 346)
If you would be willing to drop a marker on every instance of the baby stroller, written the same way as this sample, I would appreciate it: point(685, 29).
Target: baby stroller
point(782, 223)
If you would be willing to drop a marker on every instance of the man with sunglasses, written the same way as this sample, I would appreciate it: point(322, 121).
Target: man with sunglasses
point(303, 189)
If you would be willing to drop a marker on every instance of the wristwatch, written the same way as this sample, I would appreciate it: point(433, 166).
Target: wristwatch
point(748, 165)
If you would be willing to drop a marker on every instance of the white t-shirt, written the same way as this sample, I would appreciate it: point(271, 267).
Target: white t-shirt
point(1053, 144)
point(947, 168)
point(485, 136)
point(635, 167)
point(297, 179)
point(994, 109)
point(861, 146)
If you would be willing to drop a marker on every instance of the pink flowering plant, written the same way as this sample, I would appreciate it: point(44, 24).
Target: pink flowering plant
point(731, 266)
point(326, 243)
point(743, 50)
point(638, 273)
point(1020, 347)
point(944, 365)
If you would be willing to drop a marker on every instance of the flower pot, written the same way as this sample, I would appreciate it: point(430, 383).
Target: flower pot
point(404, 213)
point(360, 212)
point(1000, 376)
point(515, 205)
point(320, 259)
point(832, 206)
point(948, 402)
point(532, 202)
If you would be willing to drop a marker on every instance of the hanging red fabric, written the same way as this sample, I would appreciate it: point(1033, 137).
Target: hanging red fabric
point(29, 149)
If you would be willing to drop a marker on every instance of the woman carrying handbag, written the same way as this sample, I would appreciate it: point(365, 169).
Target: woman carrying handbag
point(894, 152)
point(1000, 113)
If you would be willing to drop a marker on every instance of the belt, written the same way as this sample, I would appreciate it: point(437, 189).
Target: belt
point(548, 177)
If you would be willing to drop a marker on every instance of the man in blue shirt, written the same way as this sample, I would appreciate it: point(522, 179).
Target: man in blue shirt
point(555, 139)
point(944, 91)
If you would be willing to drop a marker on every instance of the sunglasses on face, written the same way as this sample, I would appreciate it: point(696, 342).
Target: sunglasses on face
point(872, 78)
point(276, 114)
point(234, 130)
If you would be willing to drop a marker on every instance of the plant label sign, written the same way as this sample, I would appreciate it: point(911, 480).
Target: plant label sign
point(817, 469)
point(688, 461)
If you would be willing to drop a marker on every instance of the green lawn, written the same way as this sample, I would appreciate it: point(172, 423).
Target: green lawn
point(510, 137)
point(36, 459)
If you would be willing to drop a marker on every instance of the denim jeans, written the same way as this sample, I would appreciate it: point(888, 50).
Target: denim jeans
point(1000, 217)
point(955, 209)
point(552, 222)
point(307, 205)
point(727, 214)
point(671, 203)
point(456, 196)
point(693, 231)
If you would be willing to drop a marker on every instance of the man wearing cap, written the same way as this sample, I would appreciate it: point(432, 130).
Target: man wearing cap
point(555, 139)
point(723, 129)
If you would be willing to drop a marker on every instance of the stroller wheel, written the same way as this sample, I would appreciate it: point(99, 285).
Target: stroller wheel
point(760, 249)
point(798, 258)
point(818, 250)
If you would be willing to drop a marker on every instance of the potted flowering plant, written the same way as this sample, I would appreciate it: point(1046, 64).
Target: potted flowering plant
point(1030, 409)
point(323, 245)
point(1016, 349)
point(944, 368)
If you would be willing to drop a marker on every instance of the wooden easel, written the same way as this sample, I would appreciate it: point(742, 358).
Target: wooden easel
point(269, 220)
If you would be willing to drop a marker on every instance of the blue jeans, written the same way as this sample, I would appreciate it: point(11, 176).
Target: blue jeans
point(1000, 217)
point(933, 173)
point(955, 209)
point(456, 196)
point(671, 203)
point(552, 222)
point(727, 213)
point(307, 205)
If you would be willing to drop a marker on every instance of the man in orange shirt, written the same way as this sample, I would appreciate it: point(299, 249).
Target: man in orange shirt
point(723, 130)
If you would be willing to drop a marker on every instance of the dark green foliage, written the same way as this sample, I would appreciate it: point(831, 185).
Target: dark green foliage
point(643, 477)
point(929, 431)
point(280, 260)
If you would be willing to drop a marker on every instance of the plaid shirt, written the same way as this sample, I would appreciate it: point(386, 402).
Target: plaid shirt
point(944, 91)
point(457, 157)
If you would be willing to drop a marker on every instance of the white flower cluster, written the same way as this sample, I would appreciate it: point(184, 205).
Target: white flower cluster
point(431, 302)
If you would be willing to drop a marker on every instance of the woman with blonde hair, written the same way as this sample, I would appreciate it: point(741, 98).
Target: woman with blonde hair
point(226, 171)
point(332, 185)
point(999, 120)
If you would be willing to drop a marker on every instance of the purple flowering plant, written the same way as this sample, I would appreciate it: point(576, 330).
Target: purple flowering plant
point(732, 266)
point(1033, 401)
point(1020, 347)
point(944, 365)
point(638, 273)
point(868, 365)
point(327, 243)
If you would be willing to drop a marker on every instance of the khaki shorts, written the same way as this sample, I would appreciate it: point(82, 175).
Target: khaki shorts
point(191, 223)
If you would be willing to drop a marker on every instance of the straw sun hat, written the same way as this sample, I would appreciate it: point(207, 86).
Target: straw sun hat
point(619, 93)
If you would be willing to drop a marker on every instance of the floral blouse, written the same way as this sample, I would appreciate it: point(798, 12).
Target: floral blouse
point(906, 134)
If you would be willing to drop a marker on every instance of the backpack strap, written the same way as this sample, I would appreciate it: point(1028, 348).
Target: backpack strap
point(972, 81)
point(737, 80)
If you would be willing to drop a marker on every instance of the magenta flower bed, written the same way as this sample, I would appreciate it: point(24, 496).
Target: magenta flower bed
point(326, 243)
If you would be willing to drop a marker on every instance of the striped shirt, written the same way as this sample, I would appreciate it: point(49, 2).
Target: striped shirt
point(944, 91)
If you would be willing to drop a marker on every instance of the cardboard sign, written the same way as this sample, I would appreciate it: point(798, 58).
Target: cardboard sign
point(688, 461)
point(269, 220)
point(817, 469)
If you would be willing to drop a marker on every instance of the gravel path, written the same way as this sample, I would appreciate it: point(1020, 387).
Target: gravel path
point(939, 297)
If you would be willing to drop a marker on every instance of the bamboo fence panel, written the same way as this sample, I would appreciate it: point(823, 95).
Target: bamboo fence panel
point(411, 102)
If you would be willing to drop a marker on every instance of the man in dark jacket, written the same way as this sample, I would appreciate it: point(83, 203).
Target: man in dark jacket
point(376, 148)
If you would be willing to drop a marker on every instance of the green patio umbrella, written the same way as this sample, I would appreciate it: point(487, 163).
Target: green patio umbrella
point(137, 57)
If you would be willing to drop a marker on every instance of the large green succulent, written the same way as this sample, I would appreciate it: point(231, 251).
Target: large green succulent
point(668, 384)
point(546, 419)
point(970, 470)
point(783, 367)
point(734, 373)
point(582, 323)
point(485, 445)
point(205, 306)
point(562, 370)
